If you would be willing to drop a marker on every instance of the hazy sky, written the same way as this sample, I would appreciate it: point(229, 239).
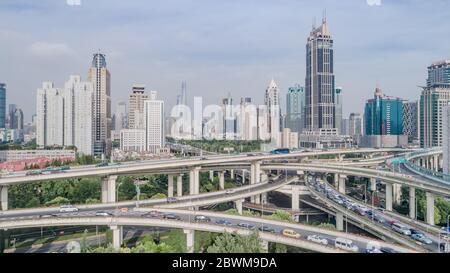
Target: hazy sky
point(218, 47)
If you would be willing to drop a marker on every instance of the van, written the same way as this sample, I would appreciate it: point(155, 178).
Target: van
point(345, 244)
point(68, 208)
point(401, 229)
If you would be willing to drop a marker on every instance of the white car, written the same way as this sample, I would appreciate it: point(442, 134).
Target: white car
point(229, 192)
point(317, 239)
point(68, 208)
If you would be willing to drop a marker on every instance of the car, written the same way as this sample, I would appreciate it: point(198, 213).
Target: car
point(401, 229)
point(251, 155)
point(31, 173)
point(154, 214)
point(378, 218)
point(68, 208)
point(387, 250)
point(229, 192)
point(204, 158)
point(223, 222)
point(171, 216)
point(266, 229)
point(415, 231)
point(271, 181)
point(422, 238)
point(246, 226)
point(202, 218)
point(103, 164)
point(291, 233)
point(124, 210)
point(171, 200)
point(102, 213)
point(373, 250)
point(317, 239)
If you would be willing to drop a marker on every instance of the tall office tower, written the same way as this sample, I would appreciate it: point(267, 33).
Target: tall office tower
point(15, 117)
point(229, 119)
point(183, 96)
point(432, 101)
point(248, 120)
point(384, 115)
point(355, 124)
point(446, 138)
point(101, 78)
point(10, 115)
point(295, 112)
point(345, 127)
point(2, 105)
point(154, 125)
point(338, 108)
point(136, 107)
point(121, 120)
point(272, 102)
point(411, 120)
point(78, 115)
point(320, 108)
point(439, 74)
point(50, 116)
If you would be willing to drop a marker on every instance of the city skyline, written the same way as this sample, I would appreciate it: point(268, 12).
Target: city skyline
point(243, 62)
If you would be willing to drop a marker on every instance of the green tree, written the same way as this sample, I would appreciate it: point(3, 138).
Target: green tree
point(234, 243)
point(58, 201)
point(158, 196)
point(281, 215)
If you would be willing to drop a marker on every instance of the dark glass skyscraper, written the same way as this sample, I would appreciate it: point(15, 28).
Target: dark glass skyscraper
point(2, 105)
point(320, 108)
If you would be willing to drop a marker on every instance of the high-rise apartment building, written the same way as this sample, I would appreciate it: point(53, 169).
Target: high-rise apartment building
point(136, 107)
point(65, 116)
point(355, 127)
point(50, 116)
point(154, 125)
point(432, 102)
point(99, 75)
point(295, 108)
point(248, 120)
point(2, 105)
point(320, 104)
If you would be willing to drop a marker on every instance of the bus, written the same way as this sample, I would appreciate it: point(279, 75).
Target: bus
point(280, 151)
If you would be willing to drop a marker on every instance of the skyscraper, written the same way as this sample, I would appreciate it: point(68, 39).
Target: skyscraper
point(2, 105)
point(15, 117)
point(50, 116)
point(411, 120)
point(248, 120)
point(229, 118)
point(320, 109)
point(432, 101)
point(439, 74)
point(272, 102)
point(339, 106)
point(65, 116)
point(383, 115)
point(121, 120)
point(446, 138)
point(101, 78)
point(355, 124)
point(154, 125)
point(295, 112)
point(136, 107)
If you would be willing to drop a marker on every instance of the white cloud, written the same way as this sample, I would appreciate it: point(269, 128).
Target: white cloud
point(46, 50)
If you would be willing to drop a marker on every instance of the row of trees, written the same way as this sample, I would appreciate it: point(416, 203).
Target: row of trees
point(218, 146)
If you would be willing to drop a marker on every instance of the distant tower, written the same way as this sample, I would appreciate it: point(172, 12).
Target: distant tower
point(272, 102)
point(101, 78)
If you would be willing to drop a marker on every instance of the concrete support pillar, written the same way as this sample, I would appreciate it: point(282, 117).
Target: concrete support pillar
point(190, 239)
point(430, 208)
point(295, 199)
point(238, 204)
point(109, 189)
point(211, 175)
point(194, 181)
point(221, 180)
point(389, 197)
point(244, 173)
point(232, 174)
point(255, 179)
point(180, 185)
point(342, 179)
point(412, 203)
point(170, 185)
point(436, 163)
point(265, 246)
point(117, 236)
point(397, 190)
point(4, 197)
point(339, 221)
point(264, 198)
point(336, 180)
point(373, 184)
